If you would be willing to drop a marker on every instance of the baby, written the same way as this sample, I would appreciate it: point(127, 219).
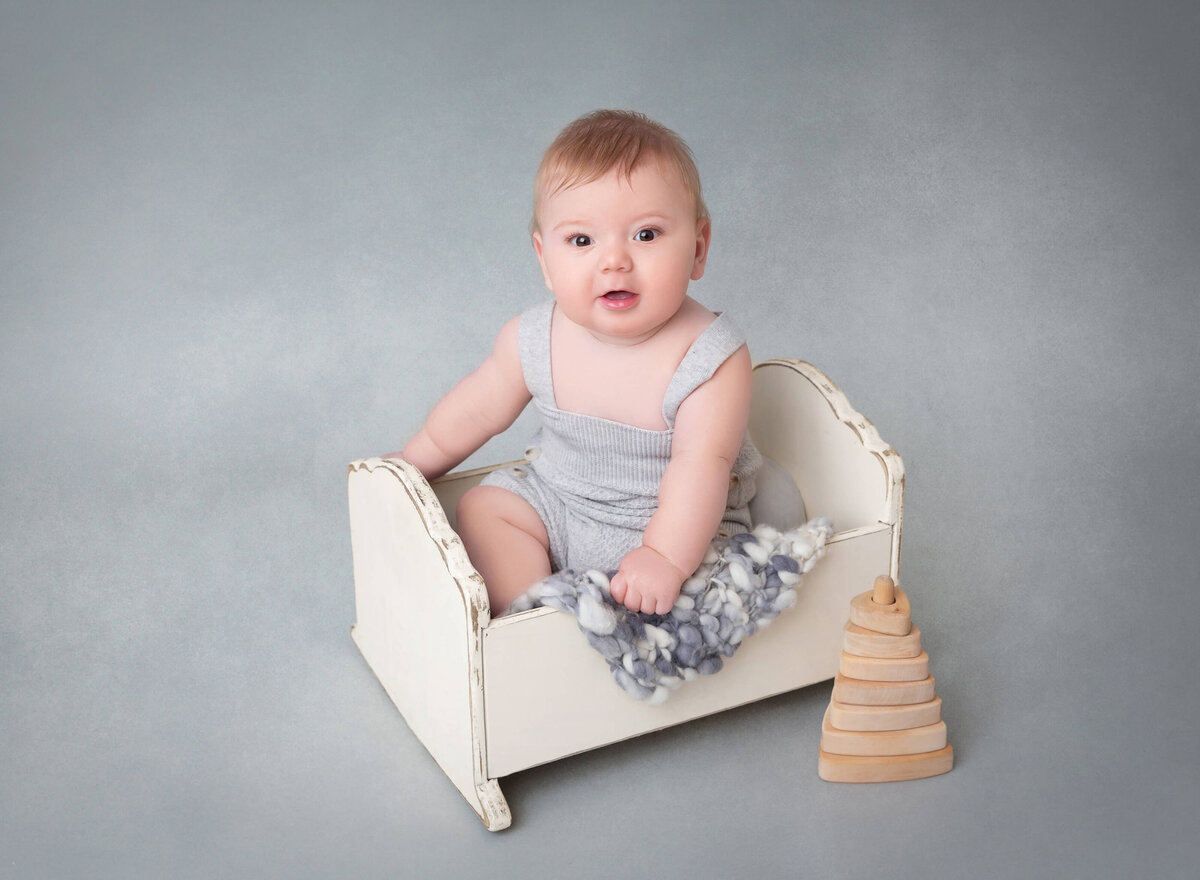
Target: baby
point(644, 393)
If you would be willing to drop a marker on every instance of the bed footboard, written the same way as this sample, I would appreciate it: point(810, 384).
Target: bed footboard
point(421, 611)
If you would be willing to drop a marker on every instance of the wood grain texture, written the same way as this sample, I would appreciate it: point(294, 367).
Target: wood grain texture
point(908, 741)
point(885, 668)
point(894, 619)
point(894, 768)
point(868, 643)
point(882, 693)
point(845, 716)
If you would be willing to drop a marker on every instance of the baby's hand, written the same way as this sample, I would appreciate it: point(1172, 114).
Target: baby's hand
point(647, 581)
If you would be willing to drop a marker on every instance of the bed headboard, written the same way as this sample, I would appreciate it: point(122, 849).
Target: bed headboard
point(844, 470)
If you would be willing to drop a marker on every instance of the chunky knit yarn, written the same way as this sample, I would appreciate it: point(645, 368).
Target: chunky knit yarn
point(742, 585)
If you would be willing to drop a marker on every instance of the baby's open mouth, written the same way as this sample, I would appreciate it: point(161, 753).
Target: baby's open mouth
point(619, 295)
point(618, 300)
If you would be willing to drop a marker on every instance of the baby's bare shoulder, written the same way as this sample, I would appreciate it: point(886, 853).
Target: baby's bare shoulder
point(695, 317)
point(504, 361)
point(507, 337)
point(685, 328)
point(507, 347)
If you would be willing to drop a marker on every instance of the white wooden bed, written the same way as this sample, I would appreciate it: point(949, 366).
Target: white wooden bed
point(490, 697)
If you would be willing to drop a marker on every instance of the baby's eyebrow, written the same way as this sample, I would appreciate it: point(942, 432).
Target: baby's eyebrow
point(639, 221)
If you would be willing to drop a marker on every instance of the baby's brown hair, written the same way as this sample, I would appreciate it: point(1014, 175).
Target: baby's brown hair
point(595, 144)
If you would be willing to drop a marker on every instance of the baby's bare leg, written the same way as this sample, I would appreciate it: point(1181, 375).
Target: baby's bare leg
point(506, 541)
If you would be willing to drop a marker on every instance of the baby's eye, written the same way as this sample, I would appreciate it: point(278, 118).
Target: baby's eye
point(647, 235)
point(581, 240)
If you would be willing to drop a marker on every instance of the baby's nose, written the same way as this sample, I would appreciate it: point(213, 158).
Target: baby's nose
point(615, 256)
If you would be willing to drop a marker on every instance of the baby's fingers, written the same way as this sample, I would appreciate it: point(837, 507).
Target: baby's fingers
point(617, 587)
point(649, 603)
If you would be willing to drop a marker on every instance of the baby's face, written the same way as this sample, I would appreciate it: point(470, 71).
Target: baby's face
point(618, 254)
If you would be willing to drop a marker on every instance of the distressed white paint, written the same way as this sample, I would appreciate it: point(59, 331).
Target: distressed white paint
point(488, 698)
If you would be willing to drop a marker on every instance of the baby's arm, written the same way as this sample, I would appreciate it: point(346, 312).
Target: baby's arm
point(479, 407)
point(709, 428)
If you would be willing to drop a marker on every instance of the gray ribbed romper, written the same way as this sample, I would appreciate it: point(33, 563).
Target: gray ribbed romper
point(593, 481)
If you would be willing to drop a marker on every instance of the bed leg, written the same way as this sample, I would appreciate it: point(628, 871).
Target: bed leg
point(491, 806)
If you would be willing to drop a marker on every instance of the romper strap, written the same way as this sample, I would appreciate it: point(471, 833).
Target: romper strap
point(533, 340)
point(712, 348)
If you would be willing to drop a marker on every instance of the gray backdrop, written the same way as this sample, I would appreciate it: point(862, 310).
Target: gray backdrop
point(246, 243)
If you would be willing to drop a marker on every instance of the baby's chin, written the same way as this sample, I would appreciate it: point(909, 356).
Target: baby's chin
point(622, 328)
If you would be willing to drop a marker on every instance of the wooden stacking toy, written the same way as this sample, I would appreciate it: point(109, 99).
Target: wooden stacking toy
point(884, 723)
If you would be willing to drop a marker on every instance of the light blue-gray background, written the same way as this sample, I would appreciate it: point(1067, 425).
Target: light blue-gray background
point(245, 243)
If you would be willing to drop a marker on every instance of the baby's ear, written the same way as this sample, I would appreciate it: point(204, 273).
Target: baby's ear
point(703, 238)
point(536, 238)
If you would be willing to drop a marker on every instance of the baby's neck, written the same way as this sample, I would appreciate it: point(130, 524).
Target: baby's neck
point(626, 380)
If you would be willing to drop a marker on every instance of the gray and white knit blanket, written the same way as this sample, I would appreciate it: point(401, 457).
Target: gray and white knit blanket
point(742, 585)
